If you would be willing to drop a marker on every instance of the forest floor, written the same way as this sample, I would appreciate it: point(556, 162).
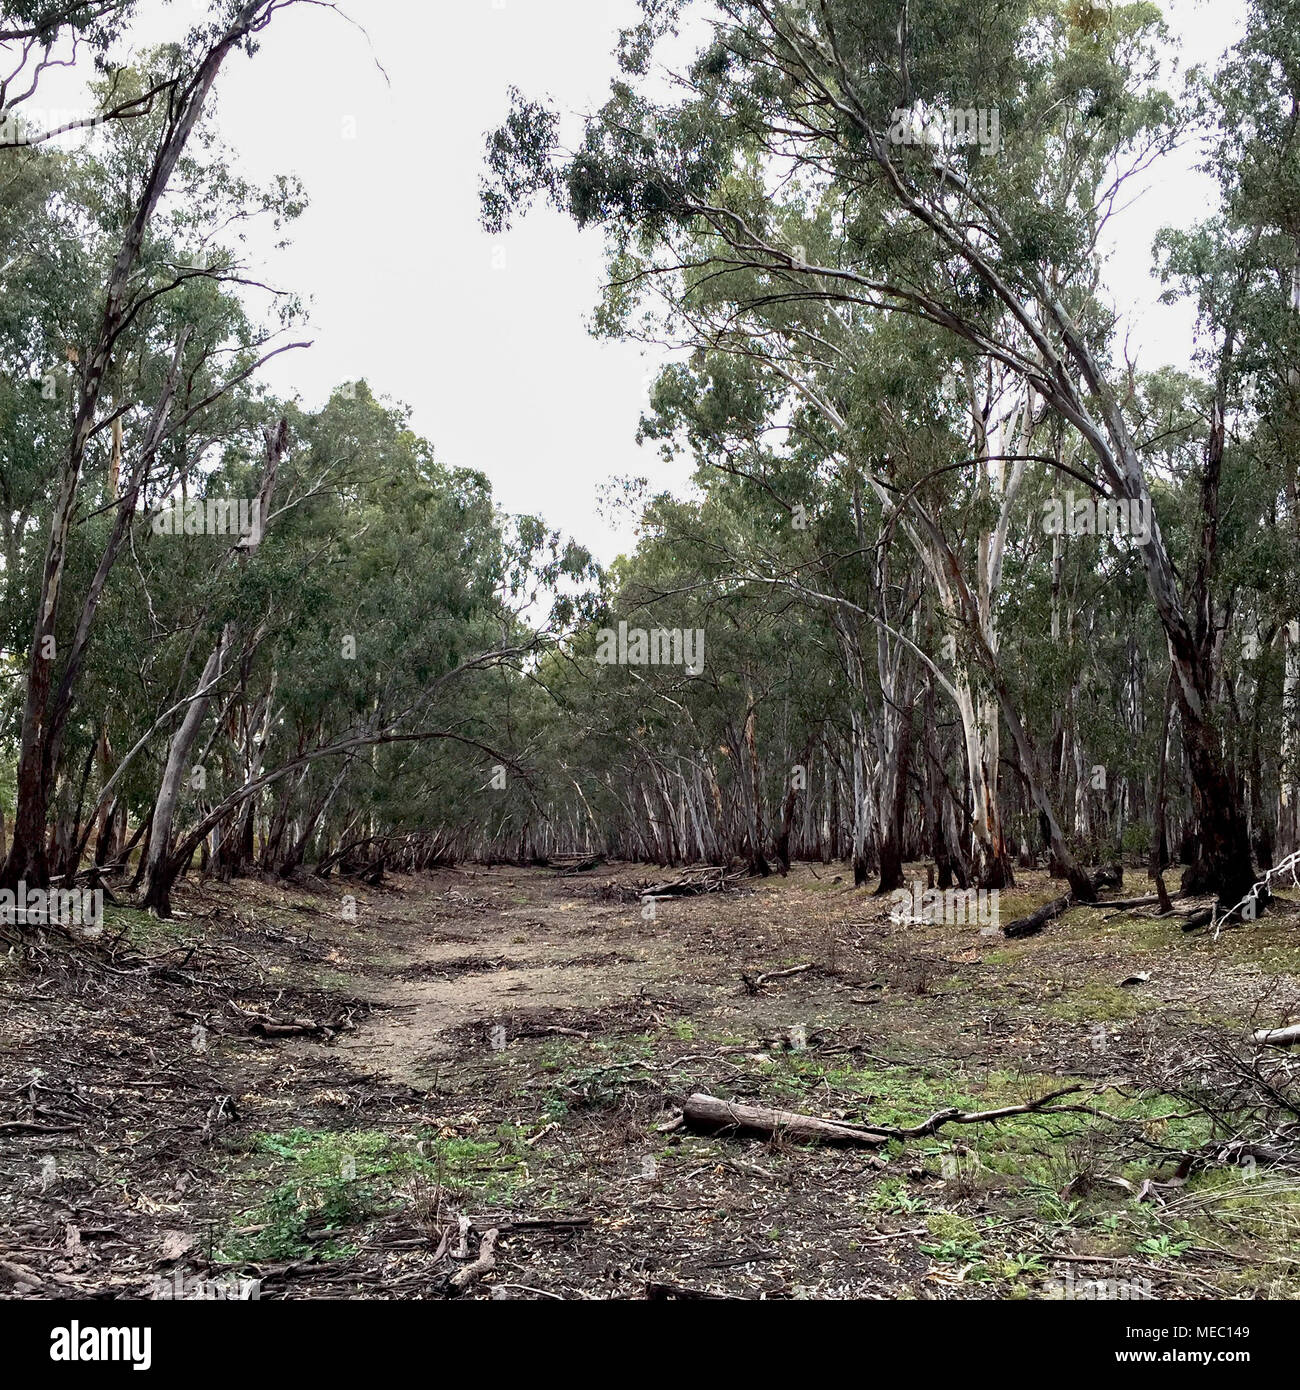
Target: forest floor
point(262, 1089)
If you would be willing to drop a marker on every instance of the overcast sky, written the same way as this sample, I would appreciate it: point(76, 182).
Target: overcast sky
point(486, 340)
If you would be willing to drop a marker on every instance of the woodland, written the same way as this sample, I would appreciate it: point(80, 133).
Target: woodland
point(912, 814)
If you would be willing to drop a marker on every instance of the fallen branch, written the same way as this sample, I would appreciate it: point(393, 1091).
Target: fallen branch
point(783, 974)
point(1036, 921)
point(1278, 1037)
point(485, 1262)
point(710, 879)
point(1119, 903)
point(31, 1127)
point(954, 1116)
point(710, 1116)
point(753, 983)
point(269, 1027)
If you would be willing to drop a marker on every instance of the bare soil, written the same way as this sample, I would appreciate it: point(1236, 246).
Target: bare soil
point(335, 1090)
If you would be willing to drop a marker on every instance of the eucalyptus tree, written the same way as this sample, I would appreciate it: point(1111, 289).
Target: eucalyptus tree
point(185, 74)
point(892, 404)
point(801, 151)
point(384, 588)
point(37, 36)
point(739, 754)
point(1241, 268)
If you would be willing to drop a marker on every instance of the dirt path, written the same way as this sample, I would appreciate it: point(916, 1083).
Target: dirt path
point(490, 949)
point(510, 1047)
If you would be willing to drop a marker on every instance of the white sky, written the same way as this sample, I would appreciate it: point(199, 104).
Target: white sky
point(487, 340)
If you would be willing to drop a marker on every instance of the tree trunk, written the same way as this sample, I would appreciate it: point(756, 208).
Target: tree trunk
point(157, 884)
point(891, 842)
point(27, 859)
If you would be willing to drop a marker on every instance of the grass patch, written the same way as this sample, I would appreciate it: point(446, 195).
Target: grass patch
point(1271, 943)
point(1094, 1003)
point(144, 932)
point(1002, 956)
point(326, 1186)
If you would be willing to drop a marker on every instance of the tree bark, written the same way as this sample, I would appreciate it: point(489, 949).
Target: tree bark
point(27, 857)
point(156, 895)
point(713, 1116)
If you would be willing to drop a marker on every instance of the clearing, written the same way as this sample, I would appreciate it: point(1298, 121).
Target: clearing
point(266, 1089)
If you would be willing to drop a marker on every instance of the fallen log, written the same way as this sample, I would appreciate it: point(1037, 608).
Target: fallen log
point(562, 1224)
point(709, 1115)
point(1036, 921)
point(47, 1281)
point(483, 1264)
point(1278, 1037)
